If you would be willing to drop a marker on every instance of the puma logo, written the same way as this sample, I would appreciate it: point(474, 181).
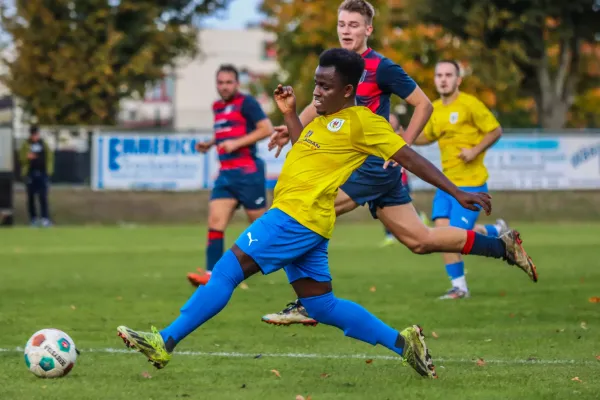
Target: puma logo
point(250, 240)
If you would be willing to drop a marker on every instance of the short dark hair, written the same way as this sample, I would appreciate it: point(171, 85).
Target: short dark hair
point(453, 62)
point(362, 7)
point(229, 68)
point(348, 64)
point(33, 129)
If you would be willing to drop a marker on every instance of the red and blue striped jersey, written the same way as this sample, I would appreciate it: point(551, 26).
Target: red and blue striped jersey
point(382, 78)
point(236, 118)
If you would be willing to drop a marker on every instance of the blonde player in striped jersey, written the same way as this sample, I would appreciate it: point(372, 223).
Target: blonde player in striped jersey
point(464, 129)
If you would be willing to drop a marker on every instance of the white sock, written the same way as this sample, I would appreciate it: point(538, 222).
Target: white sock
point(460, 283)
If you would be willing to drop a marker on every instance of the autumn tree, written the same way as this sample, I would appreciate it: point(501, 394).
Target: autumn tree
point(547, 44)
point(74, 60)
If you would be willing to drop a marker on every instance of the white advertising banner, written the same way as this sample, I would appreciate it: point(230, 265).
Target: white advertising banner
point(170, 162)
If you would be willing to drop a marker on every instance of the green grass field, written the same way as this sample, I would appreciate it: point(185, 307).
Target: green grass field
point(533, 338)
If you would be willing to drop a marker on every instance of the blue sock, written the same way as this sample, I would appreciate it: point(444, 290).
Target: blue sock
point(491, 230)
point(214, 248)
point(482, 245)
point(456, 270)
point(207, 301)
point(354, 320)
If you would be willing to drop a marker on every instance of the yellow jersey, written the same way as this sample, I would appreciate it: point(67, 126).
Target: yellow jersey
point(329, 149)
point(456, 126)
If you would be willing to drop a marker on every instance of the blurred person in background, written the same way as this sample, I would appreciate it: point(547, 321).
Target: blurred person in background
point(37, 166)
point(239, 124)
point(464, 129)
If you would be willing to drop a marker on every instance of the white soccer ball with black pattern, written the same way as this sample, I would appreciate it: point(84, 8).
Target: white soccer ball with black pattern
point(50, 353)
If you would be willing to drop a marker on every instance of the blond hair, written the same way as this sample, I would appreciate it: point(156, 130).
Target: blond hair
point(362, 7)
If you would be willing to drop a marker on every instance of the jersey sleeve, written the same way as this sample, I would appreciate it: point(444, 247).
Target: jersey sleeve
point(428, 130)
point(483, 118)
point(393, 79)
point(252, 111)
point(375, 136)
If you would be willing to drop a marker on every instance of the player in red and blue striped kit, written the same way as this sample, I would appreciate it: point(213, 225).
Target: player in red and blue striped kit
point(239, 122)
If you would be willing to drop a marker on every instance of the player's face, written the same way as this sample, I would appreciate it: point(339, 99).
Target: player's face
point(330, 94)
point(446, 79)
point(353, 31)
point(227, 85)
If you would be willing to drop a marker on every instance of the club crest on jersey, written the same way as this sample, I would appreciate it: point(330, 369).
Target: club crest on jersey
point(228, 109)
point(453, 117)
point(335, 124)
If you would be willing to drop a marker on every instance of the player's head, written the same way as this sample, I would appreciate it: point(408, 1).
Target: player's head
point(355, 24)
point(227, 81)
point(447, 77)
point(336, 80)
point(34, 133)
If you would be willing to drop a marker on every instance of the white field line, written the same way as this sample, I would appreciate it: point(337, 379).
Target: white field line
point(437, 360)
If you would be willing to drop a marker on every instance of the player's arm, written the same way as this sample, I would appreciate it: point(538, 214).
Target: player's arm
point(286, 102)
point(308, 114)
point(392, 78)
point(378, 138)
point(252, 111)
point(485, 121)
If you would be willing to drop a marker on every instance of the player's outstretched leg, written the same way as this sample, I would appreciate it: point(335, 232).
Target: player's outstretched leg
point(206, 302)
point(356, 322)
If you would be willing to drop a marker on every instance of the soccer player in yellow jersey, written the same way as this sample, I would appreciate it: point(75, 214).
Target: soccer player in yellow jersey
point(464, 129)
point(294, 234)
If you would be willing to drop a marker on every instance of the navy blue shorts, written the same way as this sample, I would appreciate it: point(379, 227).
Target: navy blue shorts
point(376, 186)
point(276, 241)
point(248, 189)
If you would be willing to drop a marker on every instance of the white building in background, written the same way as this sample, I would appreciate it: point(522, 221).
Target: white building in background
point(184, 99)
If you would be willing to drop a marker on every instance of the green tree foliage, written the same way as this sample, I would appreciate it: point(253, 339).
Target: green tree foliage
point(76, 59)
point(548, 45)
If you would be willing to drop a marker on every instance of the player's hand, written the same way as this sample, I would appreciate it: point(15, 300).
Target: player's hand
point(470, 201)
point(467, 155)
point(228, 146)
point(279, 139)
point(393, 163)
point(285, 99)
point(31, 156)
point(203, 147)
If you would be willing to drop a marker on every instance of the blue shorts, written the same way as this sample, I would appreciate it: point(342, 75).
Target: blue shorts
point(376, 186)
point(276, 241)
point(248, 189)
point(446, 206)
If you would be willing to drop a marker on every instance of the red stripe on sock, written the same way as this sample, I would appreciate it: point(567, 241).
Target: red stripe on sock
point(214, 235)
point(469, 242)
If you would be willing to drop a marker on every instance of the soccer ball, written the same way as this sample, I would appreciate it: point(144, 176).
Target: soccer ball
point(50, 353)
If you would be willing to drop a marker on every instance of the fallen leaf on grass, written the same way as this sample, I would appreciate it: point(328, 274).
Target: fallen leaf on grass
point(73, 307)
point(324, 375)
point(369, 361)
point(300, 397)
point(277, 374)
point(576, 379)
point(598, 358)
point(146, 375)
point(119, 298)
point(373, 289)
point(434, 335)
point(480, 362)
point(583, 325)
point(594, 299)
point(243, 286)
point(502, 293)
point(511, 315)
point(581, 280)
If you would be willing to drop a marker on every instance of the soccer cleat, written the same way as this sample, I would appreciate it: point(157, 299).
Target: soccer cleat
point(516, 254)
point(199, 279)
point(387, 241)
point(455, 293)
point(415, 352)
point(294, 313)
point(150, 344)
point(503, 227)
